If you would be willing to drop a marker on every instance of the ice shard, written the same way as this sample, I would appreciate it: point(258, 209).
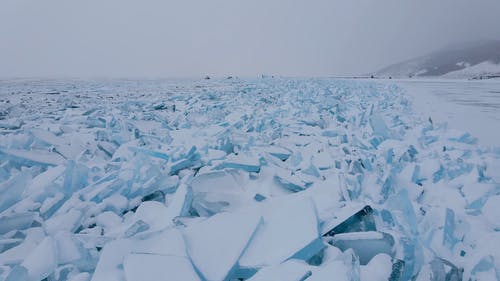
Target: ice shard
point(12, 189)
point(75, 177)
point(449, 239)
point(360, 221)
point(33, 157)
point(445, 270)
point(243, 162)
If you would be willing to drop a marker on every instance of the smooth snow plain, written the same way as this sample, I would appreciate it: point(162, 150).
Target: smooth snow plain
point(249, 179)
point(469, 105)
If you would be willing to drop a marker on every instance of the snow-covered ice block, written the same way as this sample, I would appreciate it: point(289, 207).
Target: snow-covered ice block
point(18, 253)
point(16, 221)
point(153, 214)
point(169, 242)
point(9, 243)
point(312, 171)
point(378, 269)
point(71, 251)
point(40, 183)
point(61, 145)
point(11, 124)
point(82, 276)
point(402, 210)
point(218, 191)
point(337, 269)
point(218, 181)
point(18, 273)
point(33, 157)
point(166, 243)
point(290, 229)
point(110, 261)
point(279, 152)
point(115, 203)
point(366, 245)
point(137, 227)
point(379, 126)
point(323, 160)
point(289, 270)
point(180, 202)
point(42, 261)
point(145, 267)
point(75, 177)
point(69, 221)
point(289, 181)
point(108, 220)
point(213, 154)
point(242, 162)
point(190, 159)
point(205, 241)
point(12, 189)
point(149, 152)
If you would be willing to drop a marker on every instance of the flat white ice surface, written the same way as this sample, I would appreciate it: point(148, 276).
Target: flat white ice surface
point(147, 267)
point(289, 226)
point(467, 105)
point(216, 244)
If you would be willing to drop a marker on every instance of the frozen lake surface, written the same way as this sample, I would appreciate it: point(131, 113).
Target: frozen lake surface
point(473, 106)
point(249, 179)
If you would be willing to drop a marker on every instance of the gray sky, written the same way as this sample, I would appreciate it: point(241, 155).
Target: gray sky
point(164, 38)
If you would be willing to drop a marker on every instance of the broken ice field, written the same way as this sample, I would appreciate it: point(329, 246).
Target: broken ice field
point(241, 179)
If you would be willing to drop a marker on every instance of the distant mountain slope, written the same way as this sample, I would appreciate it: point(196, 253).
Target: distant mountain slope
point(467, 60)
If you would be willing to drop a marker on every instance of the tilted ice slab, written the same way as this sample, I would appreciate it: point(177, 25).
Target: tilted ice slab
point(121, 258)
point(290, 229)
point(215, 253)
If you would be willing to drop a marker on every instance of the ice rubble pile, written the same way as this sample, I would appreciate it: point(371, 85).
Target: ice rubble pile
point(267, 179)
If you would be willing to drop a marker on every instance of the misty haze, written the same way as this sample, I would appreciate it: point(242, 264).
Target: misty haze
point(256, 140)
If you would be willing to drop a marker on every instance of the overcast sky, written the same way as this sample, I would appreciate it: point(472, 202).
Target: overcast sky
point(164, 38)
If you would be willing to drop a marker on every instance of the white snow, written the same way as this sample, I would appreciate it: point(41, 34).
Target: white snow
point(481, 69)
